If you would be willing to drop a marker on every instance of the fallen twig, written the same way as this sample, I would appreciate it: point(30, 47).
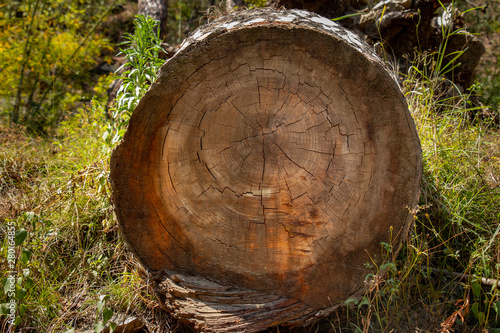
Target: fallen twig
point(485, 281)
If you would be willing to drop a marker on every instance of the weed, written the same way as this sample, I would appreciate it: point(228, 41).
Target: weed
point(142, 53)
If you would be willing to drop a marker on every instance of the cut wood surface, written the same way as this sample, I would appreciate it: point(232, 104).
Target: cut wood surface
point(263, 169)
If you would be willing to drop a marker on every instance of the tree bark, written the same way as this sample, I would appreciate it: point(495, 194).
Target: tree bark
point(263, 169)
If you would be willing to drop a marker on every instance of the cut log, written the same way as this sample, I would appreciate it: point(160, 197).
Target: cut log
point(264, 168)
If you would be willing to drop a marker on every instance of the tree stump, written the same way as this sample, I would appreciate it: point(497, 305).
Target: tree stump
point(264, 168)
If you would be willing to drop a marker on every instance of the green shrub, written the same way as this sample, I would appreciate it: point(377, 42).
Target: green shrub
point(47, 49)
point(71, 257)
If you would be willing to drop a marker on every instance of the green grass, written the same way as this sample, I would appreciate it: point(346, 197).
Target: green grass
point(435, 282)
point(455, 231)
point(73, 268)
point(57, 191)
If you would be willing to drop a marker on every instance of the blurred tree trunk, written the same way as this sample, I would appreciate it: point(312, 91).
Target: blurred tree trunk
point(157, 9)
point(231, 4)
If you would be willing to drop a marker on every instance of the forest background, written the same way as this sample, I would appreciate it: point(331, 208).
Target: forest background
point(72, 270)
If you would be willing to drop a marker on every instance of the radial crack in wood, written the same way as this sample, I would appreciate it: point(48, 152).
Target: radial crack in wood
point(263, 169)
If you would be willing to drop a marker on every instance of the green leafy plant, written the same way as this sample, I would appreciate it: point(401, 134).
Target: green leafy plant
point(107, 314)
point(142, 51)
